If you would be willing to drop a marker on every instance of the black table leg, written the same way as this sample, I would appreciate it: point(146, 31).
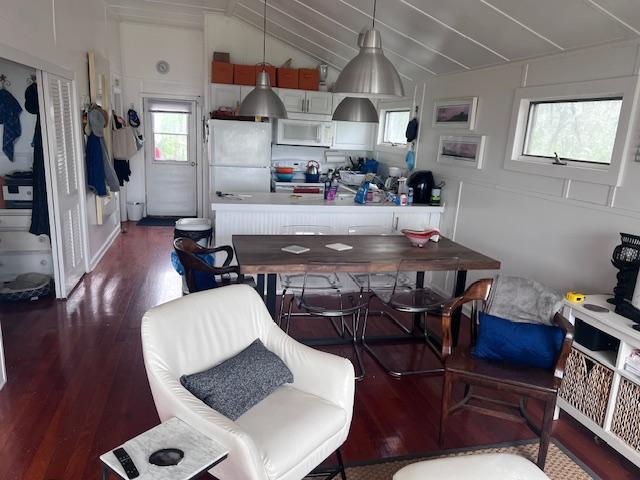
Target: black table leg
point(260, 285)
point(105, 472)
point(271, 294)
point(461, 285)
point(417, 317)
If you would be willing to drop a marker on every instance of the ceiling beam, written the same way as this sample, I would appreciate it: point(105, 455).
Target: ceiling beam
point(609, 14)
point(529, 29)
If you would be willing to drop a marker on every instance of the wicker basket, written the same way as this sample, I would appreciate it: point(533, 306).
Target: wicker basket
point(586, 385)
point(626, 416)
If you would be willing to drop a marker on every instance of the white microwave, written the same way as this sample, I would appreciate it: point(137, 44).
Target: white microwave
point(309, 133)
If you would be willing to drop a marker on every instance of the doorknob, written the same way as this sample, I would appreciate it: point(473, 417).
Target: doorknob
point(193, 164)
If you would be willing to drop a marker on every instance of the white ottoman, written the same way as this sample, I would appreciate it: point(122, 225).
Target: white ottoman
point(490, 466)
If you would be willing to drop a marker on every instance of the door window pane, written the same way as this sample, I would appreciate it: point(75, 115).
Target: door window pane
point(170, 147)
point(166, 122)
point(580, 130)
point(170, 136)
point(395, 127)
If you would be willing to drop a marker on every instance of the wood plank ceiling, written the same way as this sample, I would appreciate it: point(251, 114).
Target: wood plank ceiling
point(421, 37)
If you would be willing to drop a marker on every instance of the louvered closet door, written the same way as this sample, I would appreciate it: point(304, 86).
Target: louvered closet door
point(64, 185)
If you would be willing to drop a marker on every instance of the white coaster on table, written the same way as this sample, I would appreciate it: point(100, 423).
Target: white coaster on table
point(296, 249)
point(339, 247)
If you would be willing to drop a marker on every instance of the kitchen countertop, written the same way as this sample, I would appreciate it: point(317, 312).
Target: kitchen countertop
point(284, 201)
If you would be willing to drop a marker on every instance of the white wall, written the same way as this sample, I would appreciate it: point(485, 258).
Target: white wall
point(244, 43)
point(51, 34)
point(18, 74)
point(142, 46)
point(523, 219)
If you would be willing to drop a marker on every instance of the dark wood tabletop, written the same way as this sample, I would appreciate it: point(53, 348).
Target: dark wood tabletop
point(262, 254)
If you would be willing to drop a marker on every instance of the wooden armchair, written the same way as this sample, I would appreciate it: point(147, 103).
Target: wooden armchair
point(188, 251)
point(526, 382)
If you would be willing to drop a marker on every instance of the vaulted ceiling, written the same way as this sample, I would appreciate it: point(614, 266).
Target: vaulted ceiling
point(421, 37)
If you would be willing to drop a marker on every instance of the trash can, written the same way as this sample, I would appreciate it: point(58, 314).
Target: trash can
point(134, 210)
point(197, 229)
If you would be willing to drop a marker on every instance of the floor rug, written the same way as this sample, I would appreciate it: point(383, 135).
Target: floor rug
point(561, 464)
point(158, 221)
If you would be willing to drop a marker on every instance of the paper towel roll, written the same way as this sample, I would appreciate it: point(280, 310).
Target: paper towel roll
point(635, 301)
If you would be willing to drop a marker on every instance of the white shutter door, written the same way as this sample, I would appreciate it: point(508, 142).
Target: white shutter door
point(65, 191)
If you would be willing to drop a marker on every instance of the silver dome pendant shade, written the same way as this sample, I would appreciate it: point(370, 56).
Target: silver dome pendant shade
point(262, 101)
point(370, 73)
point(353, 109)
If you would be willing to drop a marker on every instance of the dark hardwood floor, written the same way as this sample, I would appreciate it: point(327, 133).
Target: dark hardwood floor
point(77, 385)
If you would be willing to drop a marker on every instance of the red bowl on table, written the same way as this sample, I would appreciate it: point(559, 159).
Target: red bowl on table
point(285, 170)
point(419, 238)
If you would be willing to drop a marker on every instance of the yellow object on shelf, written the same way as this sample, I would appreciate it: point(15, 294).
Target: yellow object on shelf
point(575, 297)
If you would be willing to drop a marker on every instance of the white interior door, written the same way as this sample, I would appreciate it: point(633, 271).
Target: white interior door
point(64, 180)
point(171, 157)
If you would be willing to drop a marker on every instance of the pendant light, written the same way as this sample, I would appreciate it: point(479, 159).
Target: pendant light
point(370, 73)
point(263, 101)
point(352, 109)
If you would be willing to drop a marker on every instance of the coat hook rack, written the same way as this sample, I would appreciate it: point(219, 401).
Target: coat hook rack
point(4, 81)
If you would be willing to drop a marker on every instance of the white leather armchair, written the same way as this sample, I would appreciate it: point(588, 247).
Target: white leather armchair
point(283, 437)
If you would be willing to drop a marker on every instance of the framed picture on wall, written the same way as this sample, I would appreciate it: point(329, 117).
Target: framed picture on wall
point(455, 113)
point(462, 150)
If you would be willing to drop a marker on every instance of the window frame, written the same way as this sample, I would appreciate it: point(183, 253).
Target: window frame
point(592, 172)
point(384, 108)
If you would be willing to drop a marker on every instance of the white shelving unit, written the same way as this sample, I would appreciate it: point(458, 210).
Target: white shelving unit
point(623, 438)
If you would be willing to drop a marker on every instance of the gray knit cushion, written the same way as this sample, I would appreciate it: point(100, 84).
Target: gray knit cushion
point(240, 382)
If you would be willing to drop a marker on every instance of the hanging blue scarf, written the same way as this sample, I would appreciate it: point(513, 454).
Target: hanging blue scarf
point(10, 117)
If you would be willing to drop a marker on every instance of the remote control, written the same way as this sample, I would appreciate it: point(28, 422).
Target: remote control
point(126, 462)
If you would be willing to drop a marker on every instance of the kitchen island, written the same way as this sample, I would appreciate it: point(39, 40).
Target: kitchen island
point(272, 213)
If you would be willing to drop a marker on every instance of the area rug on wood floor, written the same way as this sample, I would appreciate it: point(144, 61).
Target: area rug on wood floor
point(158, 221)
point(561, 464)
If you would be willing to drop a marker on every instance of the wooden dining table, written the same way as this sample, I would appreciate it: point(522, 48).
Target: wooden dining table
point(262, 255)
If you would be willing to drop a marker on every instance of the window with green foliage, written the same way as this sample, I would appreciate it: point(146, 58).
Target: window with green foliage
point(171, 136)
point(395, 127)
point(581, 130)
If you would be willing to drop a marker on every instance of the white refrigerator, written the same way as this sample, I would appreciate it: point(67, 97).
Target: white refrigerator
point(239, 156)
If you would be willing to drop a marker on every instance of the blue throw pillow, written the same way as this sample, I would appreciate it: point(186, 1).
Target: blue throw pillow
point(530, 344)
point(203, 280)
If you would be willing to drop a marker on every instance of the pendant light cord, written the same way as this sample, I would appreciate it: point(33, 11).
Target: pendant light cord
point(373, 25)
point(264, 35)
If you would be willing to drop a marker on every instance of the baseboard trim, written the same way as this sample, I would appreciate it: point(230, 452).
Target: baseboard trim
point(107, 244)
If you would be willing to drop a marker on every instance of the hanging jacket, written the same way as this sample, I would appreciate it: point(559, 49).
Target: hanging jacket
point(95, 166)
point(10, 117)
point(40, 209)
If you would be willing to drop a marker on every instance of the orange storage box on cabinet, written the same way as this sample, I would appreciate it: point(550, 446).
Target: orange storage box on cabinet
point(308, 79)
point(244, 74)
point(221, 72)
point(287, 77)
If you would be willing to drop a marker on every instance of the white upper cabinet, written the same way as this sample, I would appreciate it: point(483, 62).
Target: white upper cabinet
point(224, 95)
point(319, 102)
point(306, 101)
point(294, 100)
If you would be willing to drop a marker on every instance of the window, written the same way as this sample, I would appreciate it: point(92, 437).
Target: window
point(394, 127)
point(587, 124)
point(171, 136)
point(577, 130)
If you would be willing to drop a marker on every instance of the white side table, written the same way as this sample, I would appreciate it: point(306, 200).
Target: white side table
point(200, 453)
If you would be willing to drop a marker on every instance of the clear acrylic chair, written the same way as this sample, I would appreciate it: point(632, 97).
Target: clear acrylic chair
point(292, 282)
point(377, 280)
point(419, 302)
point(336, 303)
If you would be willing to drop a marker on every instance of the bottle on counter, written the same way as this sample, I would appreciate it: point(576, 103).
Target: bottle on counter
point(410, 196)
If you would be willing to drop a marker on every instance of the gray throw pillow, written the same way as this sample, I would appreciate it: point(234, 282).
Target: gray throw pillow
point(240, 382)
